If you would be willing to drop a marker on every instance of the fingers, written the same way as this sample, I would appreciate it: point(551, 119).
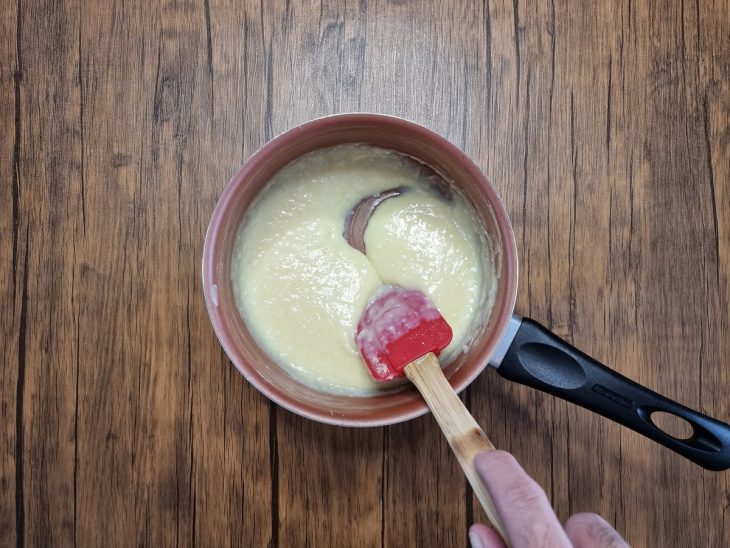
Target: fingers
point(481, 536)
point(527, 514)
point(592, 531)
point(521, 502)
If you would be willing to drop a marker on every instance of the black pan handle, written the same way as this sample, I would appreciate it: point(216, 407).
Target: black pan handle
point(542, 360)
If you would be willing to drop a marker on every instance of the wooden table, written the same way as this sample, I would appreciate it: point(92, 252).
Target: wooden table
point(604, 126)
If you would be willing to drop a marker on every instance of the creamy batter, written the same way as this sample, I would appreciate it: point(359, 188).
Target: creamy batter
point(301, 288)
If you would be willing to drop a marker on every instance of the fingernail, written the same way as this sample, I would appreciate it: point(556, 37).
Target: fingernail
point(475, 541)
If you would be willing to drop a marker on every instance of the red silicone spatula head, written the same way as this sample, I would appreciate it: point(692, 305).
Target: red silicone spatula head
point(399, 326)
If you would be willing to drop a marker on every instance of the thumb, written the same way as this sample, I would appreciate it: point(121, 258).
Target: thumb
point(481, 536)
point(592, 531)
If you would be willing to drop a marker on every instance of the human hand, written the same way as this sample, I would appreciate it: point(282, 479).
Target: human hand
point(527, 515)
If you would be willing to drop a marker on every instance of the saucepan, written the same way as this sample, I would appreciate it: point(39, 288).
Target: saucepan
point(520, 349)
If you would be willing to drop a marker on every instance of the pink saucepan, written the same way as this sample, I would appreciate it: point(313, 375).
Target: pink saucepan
point(519, 349)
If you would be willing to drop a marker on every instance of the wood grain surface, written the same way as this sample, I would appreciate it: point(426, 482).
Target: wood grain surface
point(603, 125)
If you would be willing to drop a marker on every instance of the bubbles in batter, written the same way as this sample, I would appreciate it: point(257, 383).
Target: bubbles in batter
point(301, 288)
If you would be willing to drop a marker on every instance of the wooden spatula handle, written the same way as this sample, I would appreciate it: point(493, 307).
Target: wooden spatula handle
point(461, 430)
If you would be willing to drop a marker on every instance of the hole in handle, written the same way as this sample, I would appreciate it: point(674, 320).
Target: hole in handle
point(700, 438)
point(671, 424)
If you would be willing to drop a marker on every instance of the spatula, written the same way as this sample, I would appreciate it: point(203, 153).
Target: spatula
point(401, 333)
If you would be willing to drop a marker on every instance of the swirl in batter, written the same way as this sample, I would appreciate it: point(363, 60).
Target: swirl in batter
point(301, 288)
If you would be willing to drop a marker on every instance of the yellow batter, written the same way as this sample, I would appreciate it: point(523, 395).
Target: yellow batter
point(301, 288)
